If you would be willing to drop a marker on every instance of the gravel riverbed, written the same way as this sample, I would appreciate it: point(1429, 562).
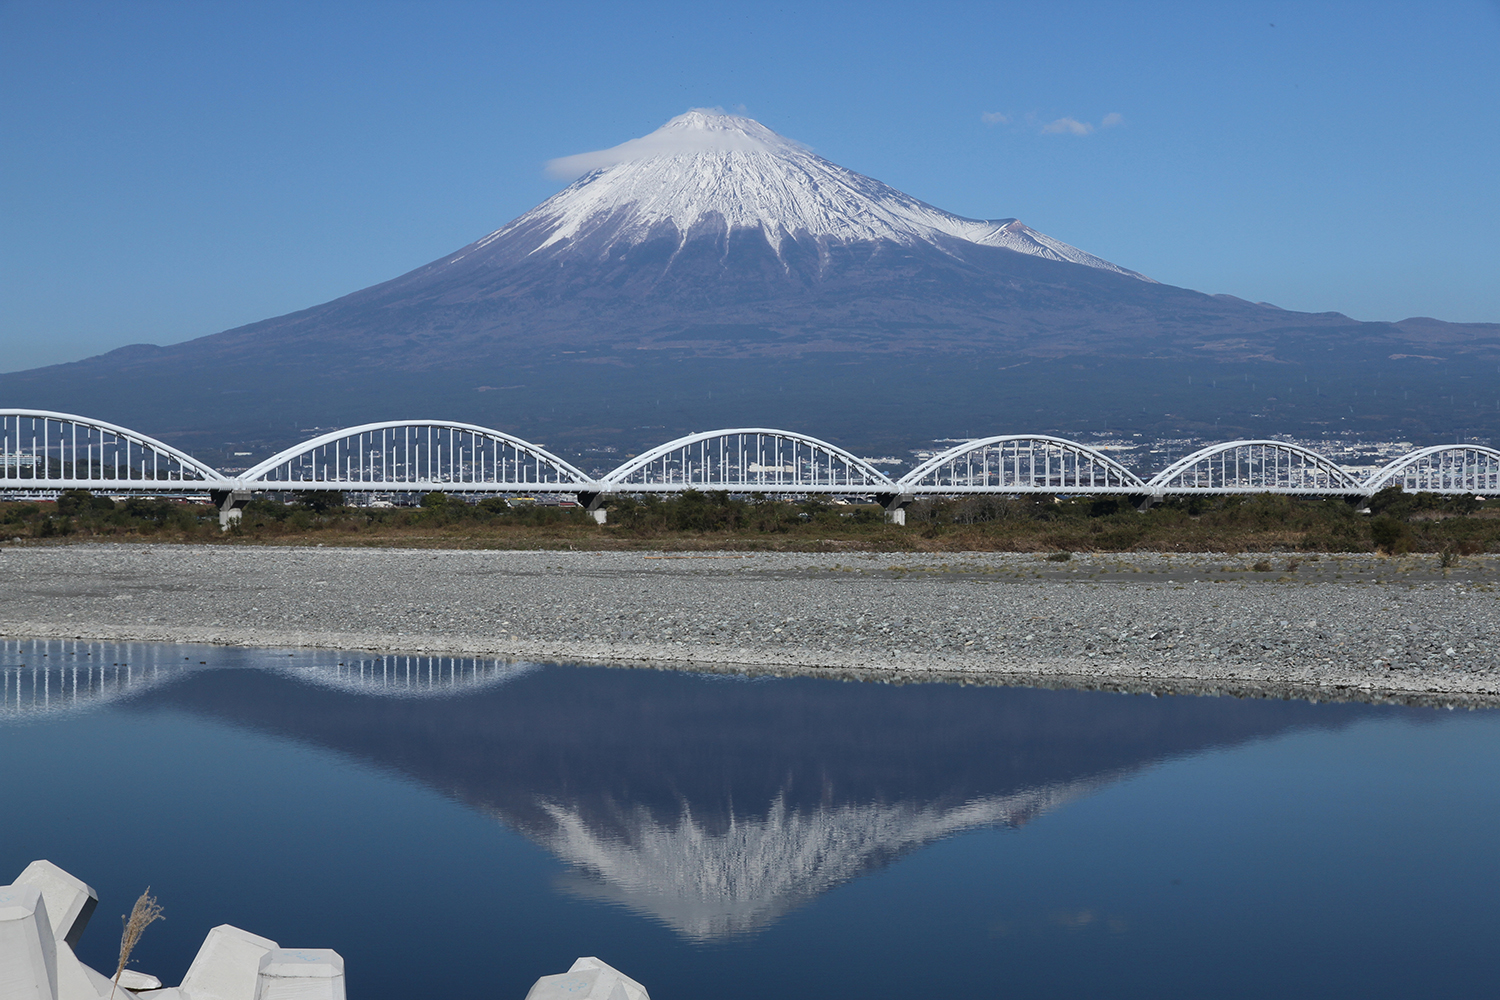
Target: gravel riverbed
point(1326, 627)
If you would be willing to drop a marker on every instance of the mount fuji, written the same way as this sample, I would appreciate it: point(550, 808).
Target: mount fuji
point(715, 273)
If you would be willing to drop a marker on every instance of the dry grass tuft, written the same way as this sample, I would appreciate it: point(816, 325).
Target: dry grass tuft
point(143, 914)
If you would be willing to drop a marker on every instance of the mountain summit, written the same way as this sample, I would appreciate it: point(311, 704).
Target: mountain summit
point(707, 174)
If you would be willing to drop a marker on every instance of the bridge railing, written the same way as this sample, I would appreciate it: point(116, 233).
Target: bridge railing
point(46, 450)
point(1261, 466)
point(416, 456)
point(1021, 463)
point(747, 460)
point(43, 451)
point(1442, 469)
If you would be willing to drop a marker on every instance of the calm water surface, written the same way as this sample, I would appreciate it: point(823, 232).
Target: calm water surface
point(459, 828)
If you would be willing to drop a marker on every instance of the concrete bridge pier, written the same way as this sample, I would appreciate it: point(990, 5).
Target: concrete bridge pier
point(895, 506)
point(231, 504)
point(594, 504)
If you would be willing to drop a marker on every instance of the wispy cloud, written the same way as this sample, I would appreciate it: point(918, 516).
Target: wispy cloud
point(1067, 126)
point(1032, 122)
point(1072, 126)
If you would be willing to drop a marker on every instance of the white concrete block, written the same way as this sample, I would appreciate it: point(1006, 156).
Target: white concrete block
point(133, 980)
point(167, 993)
point(301, 974)
point(76, 981)
point(28, 952)
point(227, 965)
point(70, 901)
point(588, 979)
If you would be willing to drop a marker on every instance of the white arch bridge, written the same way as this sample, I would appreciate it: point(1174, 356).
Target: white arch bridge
point(46, 452)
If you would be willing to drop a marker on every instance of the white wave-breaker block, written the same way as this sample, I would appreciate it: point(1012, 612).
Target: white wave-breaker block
point(70, 900)
point(227, 966)
point(76, 981)
point(588, 979)
point(301, 974)
point(28, 952)
point(136, 981)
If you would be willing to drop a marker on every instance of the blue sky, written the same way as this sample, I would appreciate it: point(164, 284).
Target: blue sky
point(170, 170)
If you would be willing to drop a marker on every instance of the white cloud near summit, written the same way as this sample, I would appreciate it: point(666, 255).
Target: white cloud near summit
point(1060, 126)
point(1070, 126)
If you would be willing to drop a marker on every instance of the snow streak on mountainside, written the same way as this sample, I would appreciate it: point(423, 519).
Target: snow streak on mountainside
point(707, 171)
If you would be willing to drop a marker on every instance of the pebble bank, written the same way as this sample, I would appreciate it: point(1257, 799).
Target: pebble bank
point(1325, 627)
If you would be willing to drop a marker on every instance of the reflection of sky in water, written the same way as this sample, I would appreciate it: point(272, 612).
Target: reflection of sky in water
point(783, 837)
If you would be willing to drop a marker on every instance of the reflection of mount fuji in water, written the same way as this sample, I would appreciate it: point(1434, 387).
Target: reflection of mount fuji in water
point(710, 883)
point(715, 805)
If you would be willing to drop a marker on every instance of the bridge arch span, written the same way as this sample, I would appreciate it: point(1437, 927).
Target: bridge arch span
point(47, 450)
point(1258, 466)
point(747, 460)
point(1442, 468)
point(1021, 463)
point(416, 456)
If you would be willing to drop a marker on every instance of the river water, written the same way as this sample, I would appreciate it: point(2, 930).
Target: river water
point(457, 828)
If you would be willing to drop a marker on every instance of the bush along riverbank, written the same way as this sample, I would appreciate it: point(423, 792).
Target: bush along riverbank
point(1394, 522)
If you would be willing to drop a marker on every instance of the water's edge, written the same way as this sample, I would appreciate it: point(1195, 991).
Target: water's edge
point(1331, 683)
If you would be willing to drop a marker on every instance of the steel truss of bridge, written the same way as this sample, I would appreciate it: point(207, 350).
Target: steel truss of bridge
point(46, 452)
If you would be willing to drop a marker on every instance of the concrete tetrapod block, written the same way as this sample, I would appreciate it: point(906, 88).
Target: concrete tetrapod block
point(132, 980)
point(300, 974)
point(28, 953)
point(76, 981)
point(588, 979)
point(227, 965)
point(70, 901)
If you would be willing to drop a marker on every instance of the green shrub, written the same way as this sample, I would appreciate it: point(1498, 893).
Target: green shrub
point(320, 501)
point(1390, 535)
point(75, 503)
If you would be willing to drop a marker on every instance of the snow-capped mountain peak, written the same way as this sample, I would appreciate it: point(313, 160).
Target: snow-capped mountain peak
point(709, 173)
point(700, 130)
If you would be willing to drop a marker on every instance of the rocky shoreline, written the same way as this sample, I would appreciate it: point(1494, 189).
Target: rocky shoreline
point(1335, 627)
